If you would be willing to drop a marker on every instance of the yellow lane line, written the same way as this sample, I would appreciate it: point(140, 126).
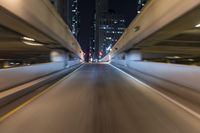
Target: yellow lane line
point(4, 117)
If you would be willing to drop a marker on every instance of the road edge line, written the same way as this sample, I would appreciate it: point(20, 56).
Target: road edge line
point(190, 111)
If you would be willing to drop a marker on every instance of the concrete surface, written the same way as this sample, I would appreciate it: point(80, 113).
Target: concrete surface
point(100, 99)
point(186, 96)
point(183, 75)
point(10, 95)
point(19, 75)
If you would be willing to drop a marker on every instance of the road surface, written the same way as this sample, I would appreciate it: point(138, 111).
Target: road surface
point(100, 99)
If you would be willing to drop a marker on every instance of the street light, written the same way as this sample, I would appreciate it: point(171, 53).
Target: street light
point(197, 26)
point(28, 39)
point(32, 43)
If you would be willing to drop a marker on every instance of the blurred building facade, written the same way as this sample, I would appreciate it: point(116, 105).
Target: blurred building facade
point(69, 11)
point(101, 7)
point(92, 42)
point(109, 26)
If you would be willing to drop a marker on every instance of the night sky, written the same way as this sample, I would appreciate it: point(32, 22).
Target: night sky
point(87, 9)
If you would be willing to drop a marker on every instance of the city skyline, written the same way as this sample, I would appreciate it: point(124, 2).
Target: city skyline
point(76, 66)
point(109, 28)
point(72, 13)
point(87, 11)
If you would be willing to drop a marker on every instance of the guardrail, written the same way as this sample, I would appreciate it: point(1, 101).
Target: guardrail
point(19, 75)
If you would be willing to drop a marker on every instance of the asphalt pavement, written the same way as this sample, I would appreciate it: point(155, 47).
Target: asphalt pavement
point(100, 99)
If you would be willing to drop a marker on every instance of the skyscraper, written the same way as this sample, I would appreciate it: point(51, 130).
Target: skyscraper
point(101, 7)
point(74, 18)
point(68, 9)
point(140, 5)
point(109, 27)
point(92, 43)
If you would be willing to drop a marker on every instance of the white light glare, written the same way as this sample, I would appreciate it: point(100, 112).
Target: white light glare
point(28, 39)
point(32, 43)
point(173, 57)
point(197, 26)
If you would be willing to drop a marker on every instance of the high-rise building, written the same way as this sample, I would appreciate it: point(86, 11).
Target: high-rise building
point(69, 11)
point(140, 5)
point(109, 27)
point(74, 17)
point(101, 7)
point(92, 43)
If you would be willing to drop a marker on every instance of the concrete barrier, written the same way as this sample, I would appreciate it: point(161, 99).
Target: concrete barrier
point(180, 93)
point(12, 94)
point(188, 76)
point(119, 62)
point(72, 63)
point(19, 75)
